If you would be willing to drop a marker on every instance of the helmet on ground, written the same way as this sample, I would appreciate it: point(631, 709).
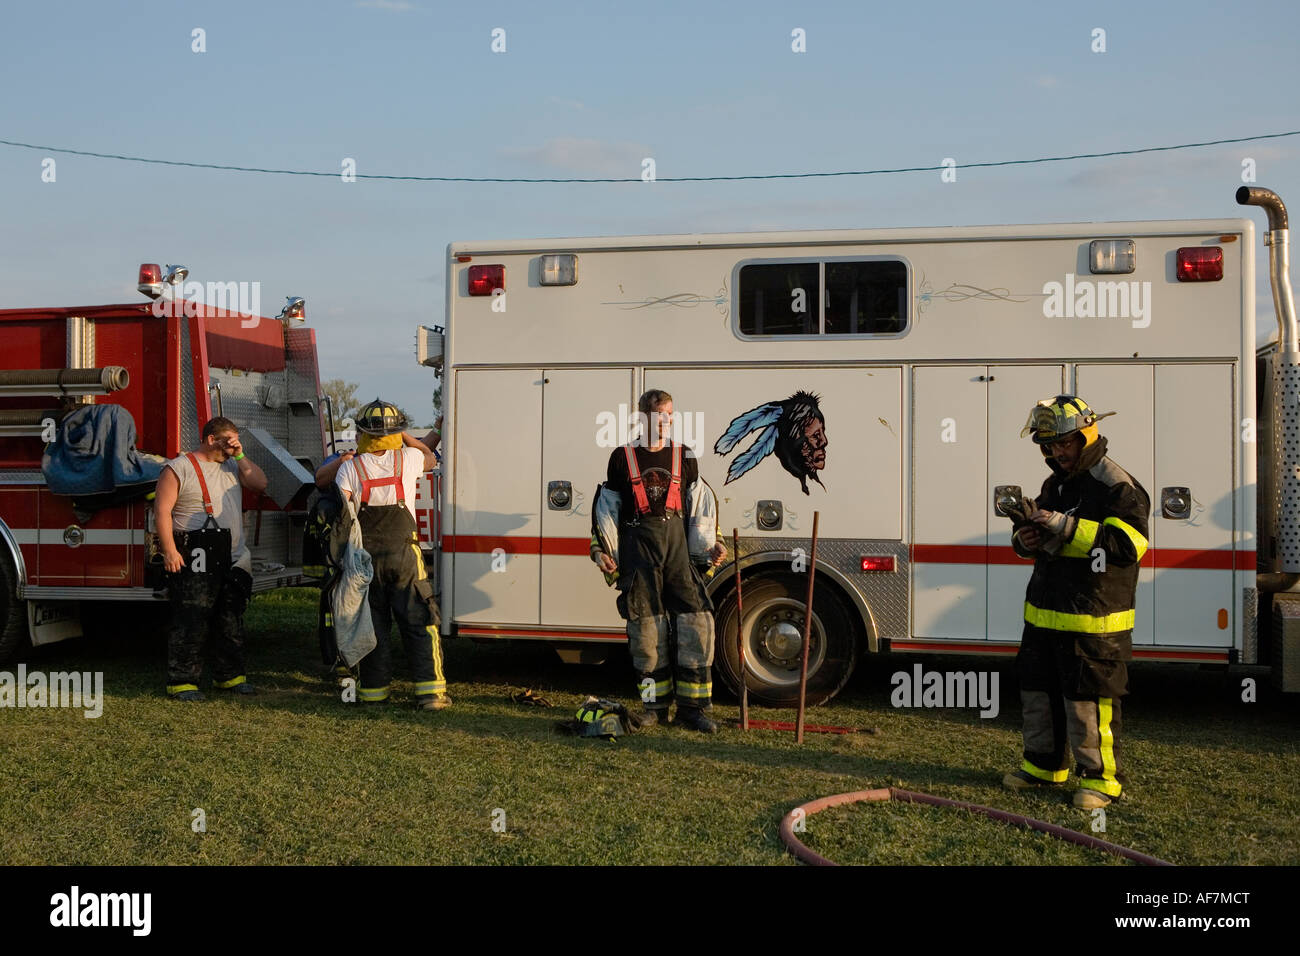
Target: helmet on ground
point(601, 718)
point(1057, 419)
point(381, 418)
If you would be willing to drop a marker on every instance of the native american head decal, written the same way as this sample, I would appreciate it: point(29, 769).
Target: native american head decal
point(795, 429)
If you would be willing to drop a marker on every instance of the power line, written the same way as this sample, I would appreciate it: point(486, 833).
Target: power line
point(662, 179)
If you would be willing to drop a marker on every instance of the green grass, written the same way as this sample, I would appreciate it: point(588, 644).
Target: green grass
point(295, 776)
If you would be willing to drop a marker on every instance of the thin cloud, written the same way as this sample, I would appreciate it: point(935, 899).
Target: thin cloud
point(585, 156)
point(392, 6)
point(567, 104)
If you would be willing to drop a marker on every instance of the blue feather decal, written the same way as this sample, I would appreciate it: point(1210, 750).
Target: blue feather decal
point(742, 425)
point(756, 452)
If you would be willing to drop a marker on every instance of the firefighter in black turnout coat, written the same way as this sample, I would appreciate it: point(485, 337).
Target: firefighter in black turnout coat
point(1087, 537)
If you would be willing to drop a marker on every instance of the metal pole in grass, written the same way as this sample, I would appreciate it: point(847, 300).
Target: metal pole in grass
point(740, 634)
point(807, 630)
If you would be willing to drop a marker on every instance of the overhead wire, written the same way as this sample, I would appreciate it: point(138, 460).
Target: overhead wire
point(662, 179)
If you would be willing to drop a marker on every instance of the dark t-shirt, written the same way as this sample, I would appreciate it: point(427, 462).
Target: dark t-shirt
point(656, 471)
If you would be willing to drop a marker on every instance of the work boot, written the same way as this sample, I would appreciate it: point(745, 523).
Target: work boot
point(1024, 780)
point(189, 696)
point(433, 702)
point(1085, 798)
point(696, 719)
point(651, 717)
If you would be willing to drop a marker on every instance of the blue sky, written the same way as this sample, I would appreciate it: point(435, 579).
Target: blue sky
point(589, 89)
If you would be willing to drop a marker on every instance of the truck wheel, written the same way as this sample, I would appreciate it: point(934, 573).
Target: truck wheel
point(772, 631)
point(14, 637)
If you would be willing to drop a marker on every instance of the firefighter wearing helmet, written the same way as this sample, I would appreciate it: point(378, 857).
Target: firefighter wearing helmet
point(1087, 534)
point(381, 478)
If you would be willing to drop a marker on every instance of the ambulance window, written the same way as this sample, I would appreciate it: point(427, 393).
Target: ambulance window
point(864, 298)
point(779, 298)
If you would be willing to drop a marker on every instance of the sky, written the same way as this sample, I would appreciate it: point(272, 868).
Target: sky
point(590, 89)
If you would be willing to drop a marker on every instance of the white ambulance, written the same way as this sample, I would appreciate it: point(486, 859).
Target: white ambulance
point(881, 378)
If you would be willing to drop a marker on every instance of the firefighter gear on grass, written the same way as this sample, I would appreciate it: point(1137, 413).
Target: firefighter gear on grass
point(657, 519)
point(400, 588)
point(1079, 608)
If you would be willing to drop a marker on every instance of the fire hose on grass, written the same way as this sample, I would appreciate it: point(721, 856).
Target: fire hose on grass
point(806, 855)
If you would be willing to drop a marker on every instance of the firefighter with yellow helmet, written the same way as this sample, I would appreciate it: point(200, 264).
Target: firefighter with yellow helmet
point(1087, 533)
point(381, 478)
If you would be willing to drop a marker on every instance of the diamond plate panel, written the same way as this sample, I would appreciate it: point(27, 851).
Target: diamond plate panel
point(302, 381)
point(190, 424)
point(885, 594)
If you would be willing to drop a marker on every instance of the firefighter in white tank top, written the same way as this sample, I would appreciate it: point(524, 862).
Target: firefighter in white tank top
point(382, 480)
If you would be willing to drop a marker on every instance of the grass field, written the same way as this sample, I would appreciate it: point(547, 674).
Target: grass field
point(295, 776)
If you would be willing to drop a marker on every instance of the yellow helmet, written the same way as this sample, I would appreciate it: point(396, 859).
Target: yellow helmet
point(1056, 419)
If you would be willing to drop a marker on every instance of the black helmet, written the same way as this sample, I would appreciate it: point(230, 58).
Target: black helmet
point(381, 418)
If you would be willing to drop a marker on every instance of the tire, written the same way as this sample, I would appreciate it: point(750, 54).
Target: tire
point(15, 640)
point(773, 634)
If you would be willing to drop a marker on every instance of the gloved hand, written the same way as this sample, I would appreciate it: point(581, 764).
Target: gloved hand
point(1020, 512)
point(1055, 524)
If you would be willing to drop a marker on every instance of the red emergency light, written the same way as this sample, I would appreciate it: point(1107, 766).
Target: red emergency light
point(150, 282)
point(1200, 264)
point(485, 280)
point(877, 562)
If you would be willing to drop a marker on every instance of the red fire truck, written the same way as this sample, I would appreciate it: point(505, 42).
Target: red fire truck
point(172, 364)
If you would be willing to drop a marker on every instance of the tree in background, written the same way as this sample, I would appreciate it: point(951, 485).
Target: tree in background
point(343, 395)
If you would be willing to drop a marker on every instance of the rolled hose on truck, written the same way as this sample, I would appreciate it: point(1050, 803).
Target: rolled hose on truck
point(110, 378)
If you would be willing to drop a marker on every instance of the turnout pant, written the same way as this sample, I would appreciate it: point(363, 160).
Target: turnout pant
point(400, 590)
point(1070, 690)
point(207, 611)
point(662, 597)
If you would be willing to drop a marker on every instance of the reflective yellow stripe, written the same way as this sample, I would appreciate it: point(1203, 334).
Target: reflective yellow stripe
point(1104, 714)
point(178, 688)
point(1079, 623)
point(688, 689)
point(419, 557)
point(426, 687)
point(437, 654)
point(374, 693)
point(1139, 542)
point(329, 619)
point(1109, 787)
point(233, 682)
point(1085, 533)
point(1051, 776)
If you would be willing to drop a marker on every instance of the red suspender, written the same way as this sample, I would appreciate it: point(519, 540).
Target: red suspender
point(638, 484)
point(203, 485)
point(674, 501)
point(367, 482)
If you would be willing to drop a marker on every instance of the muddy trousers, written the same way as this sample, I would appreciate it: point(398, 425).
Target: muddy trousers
point(1070, 691)
point(400, 590)
point(664, 603)
point(206, 613)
